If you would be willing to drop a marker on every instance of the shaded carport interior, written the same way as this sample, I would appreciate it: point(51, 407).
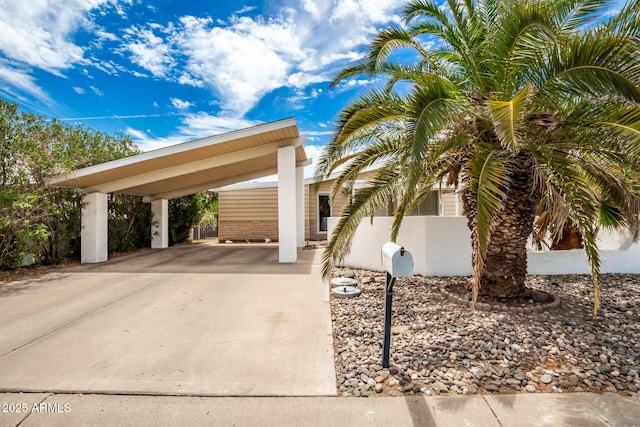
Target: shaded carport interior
point(187, 168)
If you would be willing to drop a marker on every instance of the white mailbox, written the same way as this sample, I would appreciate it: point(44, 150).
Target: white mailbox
point(396, 260)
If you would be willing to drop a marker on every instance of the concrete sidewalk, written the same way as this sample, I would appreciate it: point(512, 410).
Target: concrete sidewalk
point(577, 409)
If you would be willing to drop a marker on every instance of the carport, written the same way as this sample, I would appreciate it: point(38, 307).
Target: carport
point(188, 168)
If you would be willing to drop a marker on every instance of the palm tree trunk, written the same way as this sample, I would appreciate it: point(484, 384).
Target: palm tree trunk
point(505, 267)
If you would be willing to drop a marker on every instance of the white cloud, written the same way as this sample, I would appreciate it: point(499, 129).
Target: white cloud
point(313, 153)
point(312, 7)
point(302, 80)
point(241, 58)
point(180, 104)
point(103, 35)
point(96, 90)
point(188, 80)
point(136, 134)
point(24, 82)
point(297, 100)
point(106, 67)
point(242, 62)
point(245, 10)
point(78, 90)
point(245, 57)
point(38, 32)
point(149, 51)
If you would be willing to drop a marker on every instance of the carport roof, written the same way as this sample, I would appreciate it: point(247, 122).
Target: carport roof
point(193, 166)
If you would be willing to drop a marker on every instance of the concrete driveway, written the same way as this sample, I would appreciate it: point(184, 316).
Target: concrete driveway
point(201, 320)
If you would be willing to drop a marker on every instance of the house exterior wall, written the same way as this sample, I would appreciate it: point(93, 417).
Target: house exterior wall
point(448, 200)
point(337, 205)
point(248, 215)
point(441, 246)
point(252, 214)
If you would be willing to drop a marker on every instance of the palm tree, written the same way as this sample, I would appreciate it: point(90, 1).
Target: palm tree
point(518, 102)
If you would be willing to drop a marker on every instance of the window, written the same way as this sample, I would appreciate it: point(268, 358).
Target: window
point(324, 212)
point(429, 206)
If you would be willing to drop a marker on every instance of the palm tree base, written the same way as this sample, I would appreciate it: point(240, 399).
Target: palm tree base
point(530, 301)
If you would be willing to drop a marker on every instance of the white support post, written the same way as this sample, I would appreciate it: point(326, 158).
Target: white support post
point(300, 206)
point(287, 204)
point(94, 233)
point(160, 224)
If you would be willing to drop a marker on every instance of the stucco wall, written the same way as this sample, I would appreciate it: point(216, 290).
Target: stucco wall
point(441, 246)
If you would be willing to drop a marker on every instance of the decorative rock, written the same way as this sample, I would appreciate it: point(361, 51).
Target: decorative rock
point(406, 388)
point(440, 387)
point(546, 378)
point(538, 296)
point(441, 348)
point(492, 388)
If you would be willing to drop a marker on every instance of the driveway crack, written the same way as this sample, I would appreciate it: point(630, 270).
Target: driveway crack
point(492, 411)
point(29, 413)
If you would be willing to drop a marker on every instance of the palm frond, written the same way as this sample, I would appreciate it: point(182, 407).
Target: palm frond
point(487, 173)
point(434, 106)
point(375, 153)
point(359, 124)
point(581, 205)
point(380, 190)
point(508, 118)
point(591, 249)
point(592, 64)
point(425, 9)
point(571, 16)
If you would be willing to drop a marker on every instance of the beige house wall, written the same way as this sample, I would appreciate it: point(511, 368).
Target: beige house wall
point(448, 200)
point(337, 205)
point(252, 214)
point(248, 215)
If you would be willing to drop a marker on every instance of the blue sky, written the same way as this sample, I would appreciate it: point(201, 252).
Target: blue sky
point(171, 71)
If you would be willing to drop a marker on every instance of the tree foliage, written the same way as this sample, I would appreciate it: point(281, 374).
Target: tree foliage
point(530, 106)
point(185, 213)
point(42, 224)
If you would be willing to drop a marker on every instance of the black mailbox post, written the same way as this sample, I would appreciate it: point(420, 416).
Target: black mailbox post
point(397, 262)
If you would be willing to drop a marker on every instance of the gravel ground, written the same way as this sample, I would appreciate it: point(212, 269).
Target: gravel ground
point(438, 347)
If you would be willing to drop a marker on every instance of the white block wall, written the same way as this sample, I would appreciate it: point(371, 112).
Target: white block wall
point(441, 246)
